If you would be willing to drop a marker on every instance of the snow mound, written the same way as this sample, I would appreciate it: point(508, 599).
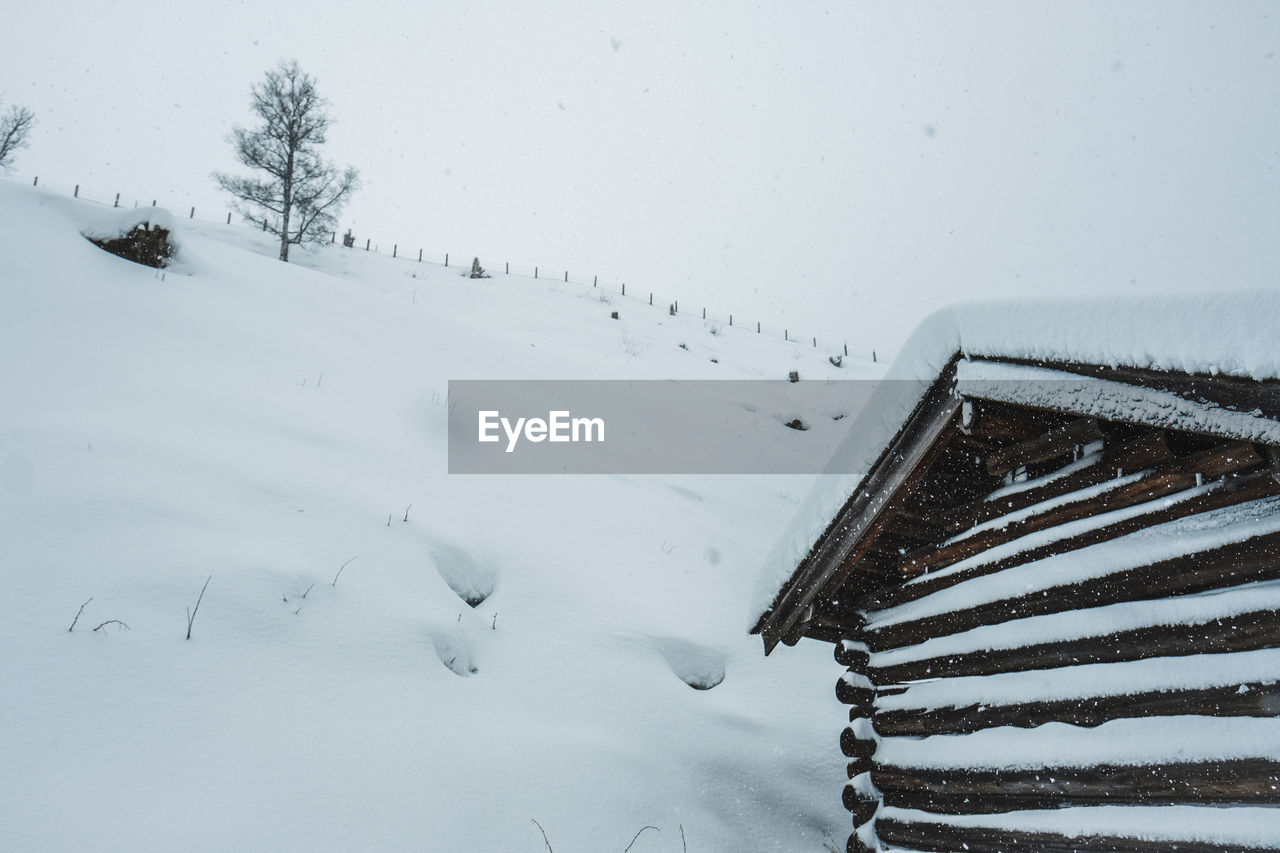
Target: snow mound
point(701, 667)
point(472, 580)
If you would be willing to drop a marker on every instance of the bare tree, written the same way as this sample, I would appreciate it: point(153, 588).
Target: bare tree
point(301, 194)
point(15, 125)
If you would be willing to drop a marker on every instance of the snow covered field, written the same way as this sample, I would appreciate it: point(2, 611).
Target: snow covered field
point(271, 426)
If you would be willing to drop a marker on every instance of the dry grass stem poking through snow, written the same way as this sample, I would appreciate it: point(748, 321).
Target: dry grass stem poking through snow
point(78, 612)
point(191, 613)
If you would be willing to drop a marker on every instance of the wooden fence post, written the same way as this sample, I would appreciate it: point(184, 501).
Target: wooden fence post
point(650, 297)
point(367, 241)
point(153, 202)
point(846, 347)
point(730, 319)
point(334, 238)
point(784, 335)
point(446, 259)
point(873, 356)
point(228, 217)
point(395, 247)
point(508, 272)
point(36, 181)
point(419, 256)
point(757, 327)
point(704, 313)
point(815, 343)
point(193, 213)
point(117, 202)
point(566, 276)
point(76, 194)
point(535, 272)
point(264, 223)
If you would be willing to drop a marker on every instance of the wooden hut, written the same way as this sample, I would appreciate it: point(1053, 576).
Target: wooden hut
point(1056, 592)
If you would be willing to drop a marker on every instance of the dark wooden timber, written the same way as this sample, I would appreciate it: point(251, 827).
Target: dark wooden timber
point(1252, 781)
point(1053, 444)
point(1257, 700)
point(1233, 490)
point(1258, 629)
point(1144, 452)
point(1229, 565)
point(856, 658)
point(842, 543)
point(1165, 480)
point(944, 838)
point(1002, 424)
point(855, 747)
point(939, 478)
point(859, 766)
point(1237, 393)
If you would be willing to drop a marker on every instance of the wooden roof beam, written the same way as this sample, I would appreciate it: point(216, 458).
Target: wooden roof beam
point(1058, 441)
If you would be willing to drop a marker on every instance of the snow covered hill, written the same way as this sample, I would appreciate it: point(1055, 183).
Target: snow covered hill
point(280, 429)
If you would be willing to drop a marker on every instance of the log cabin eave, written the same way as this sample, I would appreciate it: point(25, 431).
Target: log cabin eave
point(951, 451)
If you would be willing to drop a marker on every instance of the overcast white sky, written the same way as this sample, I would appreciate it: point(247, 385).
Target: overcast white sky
point(839, 168)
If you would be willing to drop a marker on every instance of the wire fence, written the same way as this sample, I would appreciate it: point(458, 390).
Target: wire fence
point(720, 321)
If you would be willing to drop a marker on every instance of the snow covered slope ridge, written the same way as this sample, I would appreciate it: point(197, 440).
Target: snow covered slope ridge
point(384, 657)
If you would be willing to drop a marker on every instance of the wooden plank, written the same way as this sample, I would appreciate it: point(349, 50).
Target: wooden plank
point(1001, 423)
point(1234, 490)
point(1144, 452)
point(1258, 629)
point(943, 838)
point(1240, 394)
point(1176, 476)
point(833, 556)
point(1229, 565)
point(967, 791)
point(1257, 700)
point(1058, 441)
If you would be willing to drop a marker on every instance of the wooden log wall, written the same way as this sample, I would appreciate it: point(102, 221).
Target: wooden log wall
point(1071, 652)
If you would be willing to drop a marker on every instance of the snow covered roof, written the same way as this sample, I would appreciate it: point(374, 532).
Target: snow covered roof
point(1202, 363)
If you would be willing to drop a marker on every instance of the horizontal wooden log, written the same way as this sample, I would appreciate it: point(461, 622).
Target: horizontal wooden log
point(1058, 441)
point(861, 810)
point(1252, 781)
point(1167, 479)
point(1234, 490)
point(852, 654)
point(1240, 393)
point(1257, 700)
point(1229, 565)
point(1003, 423)
point(859, 697)
point(858, 765)
point(942, 838)
point(1259, 629)
point(854, 747)
point(855, 845)
point(1144, 452)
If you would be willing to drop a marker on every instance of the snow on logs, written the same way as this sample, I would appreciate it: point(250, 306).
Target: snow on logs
point(1088, 653)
